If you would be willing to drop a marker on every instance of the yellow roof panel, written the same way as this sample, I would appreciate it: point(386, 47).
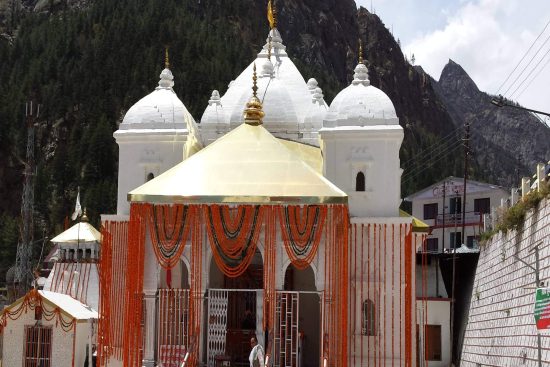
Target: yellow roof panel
point(308, 153)
point(247, 165)
point(80, 232)
point(418, 225)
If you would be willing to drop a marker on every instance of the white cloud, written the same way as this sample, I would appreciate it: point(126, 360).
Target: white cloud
point(486, 37)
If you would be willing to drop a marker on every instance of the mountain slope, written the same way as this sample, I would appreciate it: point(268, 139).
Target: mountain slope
point(507, 142)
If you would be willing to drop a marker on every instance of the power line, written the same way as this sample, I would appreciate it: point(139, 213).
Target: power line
point(535, 77)
point(526, 66)
point(520, 61)
point(531, 72)
point(434, 147)
point(428, 164)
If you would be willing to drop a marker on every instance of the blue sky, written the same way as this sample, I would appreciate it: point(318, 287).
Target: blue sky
point(487, 37)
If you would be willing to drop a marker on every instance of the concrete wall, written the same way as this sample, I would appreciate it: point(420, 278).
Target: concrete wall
point(501, 327)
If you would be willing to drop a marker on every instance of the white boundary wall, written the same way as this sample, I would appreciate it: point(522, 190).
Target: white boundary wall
point(501, 328)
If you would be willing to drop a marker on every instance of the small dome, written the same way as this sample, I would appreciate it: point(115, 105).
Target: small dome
point(317, 111)
point(361, 104)
point(161, 109)
point(214, 111)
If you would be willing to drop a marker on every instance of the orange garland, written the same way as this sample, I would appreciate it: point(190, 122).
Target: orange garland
point(33, 301)
point(112, 284)
point(302, 228)
point(196, 301)
point(233, 238)
point(270, 251)
point(169, 227)
point(132, 343)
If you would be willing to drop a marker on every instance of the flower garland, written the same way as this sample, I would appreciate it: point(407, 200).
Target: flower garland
point(169, 227)
point(302, 229)
point(33, 301)
point(233, 235)
point(132, 343)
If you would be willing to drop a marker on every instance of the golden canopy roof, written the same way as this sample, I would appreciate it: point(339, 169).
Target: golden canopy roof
point(247, 165)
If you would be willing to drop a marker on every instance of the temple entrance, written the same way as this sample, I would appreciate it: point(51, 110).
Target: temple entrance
point(299, 313)
point(235, 309)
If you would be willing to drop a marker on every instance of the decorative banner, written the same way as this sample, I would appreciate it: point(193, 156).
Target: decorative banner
point(302, 229)
point(542, 308)
point(233, 235)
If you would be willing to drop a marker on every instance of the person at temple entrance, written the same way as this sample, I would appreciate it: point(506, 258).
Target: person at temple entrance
point(256, 354)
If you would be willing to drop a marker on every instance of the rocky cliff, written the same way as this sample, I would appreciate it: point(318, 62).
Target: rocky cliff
point(506, 142)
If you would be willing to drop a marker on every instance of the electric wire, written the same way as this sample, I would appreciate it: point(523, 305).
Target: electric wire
point(533, 79)
point(531, 72)
point(434, 147)
point(525, 55)
point(526, 66)
point(428, 164)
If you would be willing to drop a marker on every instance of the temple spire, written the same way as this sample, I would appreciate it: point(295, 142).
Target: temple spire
point(271, 14)
point(253, 113)
point(166, 58)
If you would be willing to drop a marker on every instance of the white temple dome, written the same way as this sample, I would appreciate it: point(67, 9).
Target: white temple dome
point(288, 98)
point(361, 104)
point(161, 109)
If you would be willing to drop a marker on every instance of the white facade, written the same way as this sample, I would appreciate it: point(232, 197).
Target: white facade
point(444, 212)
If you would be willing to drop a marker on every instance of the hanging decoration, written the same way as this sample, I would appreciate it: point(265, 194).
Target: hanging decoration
point(112, 284)
point(169, 227)
point(33, 301)
point(302, 228)
point(335, 319)
point(197, 299)
point(270, 251)
point(233, 235)
point(132, 344)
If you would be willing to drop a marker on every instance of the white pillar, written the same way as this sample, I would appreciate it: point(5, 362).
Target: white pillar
point(149, 347)
point(540, 175)
point(525, 186)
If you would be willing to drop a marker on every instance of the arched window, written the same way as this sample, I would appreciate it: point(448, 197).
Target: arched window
point(368, 319)
point(150, 176)
point(360, 182)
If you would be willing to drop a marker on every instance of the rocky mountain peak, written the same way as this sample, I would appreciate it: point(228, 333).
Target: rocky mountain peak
point(454, 77)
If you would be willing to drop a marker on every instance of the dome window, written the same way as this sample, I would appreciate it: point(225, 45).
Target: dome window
point(150, 176)
point(360, 182)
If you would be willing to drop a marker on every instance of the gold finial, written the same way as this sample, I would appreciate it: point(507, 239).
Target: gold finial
point(271, 14)
point(84, 217)
point(360, 51)
point(166, 58)
point(254, 82)
point(253, 113)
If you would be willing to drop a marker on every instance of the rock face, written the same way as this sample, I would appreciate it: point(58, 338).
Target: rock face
point(506, 142)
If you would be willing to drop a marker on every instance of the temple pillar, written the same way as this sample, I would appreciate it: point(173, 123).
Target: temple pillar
point(149, 296)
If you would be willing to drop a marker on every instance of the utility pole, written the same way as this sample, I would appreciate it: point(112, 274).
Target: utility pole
point(23, 271)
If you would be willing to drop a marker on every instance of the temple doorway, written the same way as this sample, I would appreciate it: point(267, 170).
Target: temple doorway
point(300, 296)
point(234, 313)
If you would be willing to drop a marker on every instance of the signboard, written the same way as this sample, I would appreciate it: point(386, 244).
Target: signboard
point(542, 308)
